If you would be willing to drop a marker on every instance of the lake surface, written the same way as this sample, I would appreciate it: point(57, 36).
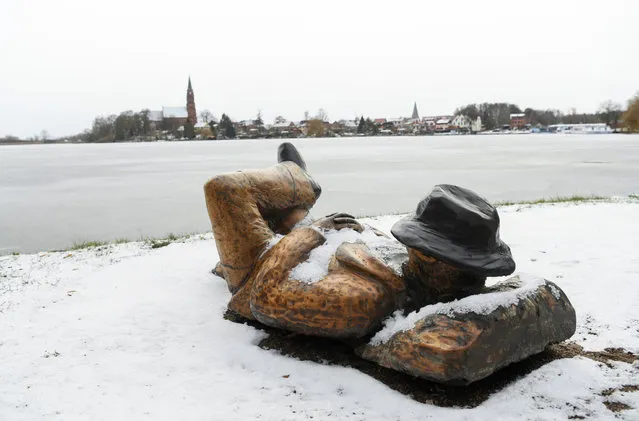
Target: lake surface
point(54, 195)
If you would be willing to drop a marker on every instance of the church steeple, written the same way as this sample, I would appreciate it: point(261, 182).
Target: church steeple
point(415, 113)
point(190, 104)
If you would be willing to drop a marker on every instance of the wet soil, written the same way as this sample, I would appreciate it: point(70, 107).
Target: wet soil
point(333, 352)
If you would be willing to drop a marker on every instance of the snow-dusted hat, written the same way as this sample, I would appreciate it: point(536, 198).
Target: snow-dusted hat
point(459, 227)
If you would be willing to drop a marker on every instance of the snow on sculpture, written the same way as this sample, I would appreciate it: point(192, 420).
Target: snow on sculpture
point(417, 303)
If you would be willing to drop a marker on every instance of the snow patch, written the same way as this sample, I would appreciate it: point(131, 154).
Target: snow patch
point(316, 266)
point(139, 334)
point(555, 291)
point(479, 304)
point(271, 243)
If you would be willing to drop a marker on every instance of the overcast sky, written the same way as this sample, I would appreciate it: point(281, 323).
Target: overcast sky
point(63, 62)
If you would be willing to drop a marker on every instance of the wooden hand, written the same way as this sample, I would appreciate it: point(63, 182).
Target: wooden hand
point(338, 221)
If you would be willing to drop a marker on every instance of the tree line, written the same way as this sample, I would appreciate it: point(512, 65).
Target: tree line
point(496, 115)
point(113, 128)
point(130, 125)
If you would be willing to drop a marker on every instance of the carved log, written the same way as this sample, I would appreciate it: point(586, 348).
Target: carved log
point(461, 348)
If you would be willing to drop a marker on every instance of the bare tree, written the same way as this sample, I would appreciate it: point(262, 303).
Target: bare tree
point(206, 116)
point(44, 135)
point(631, 116)
point(610, 113)
point(316, 128)
point(321, 115)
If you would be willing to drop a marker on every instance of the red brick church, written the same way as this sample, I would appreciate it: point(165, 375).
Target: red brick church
point(174, 118)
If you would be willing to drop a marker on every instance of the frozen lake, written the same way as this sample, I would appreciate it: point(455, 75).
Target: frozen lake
point(54, 195)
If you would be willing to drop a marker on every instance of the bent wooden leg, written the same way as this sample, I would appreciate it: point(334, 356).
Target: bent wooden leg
point(238, 205)
point(465, 345)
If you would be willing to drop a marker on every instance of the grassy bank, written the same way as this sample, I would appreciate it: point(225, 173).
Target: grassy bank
point(151, 242)
point(542, 201)
point(559, 199)
point(159, 242)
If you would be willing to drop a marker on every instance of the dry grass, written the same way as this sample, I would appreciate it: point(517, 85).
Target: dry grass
point(556, 199)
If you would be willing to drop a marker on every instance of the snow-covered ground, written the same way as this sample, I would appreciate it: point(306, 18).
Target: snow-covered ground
point(126, 332)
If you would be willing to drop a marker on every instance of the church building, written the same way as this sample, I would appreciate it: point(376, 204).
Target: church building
point(172, 118)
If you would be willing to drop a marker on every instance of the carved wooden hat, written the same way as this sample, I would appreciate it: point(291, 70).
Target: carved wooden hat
point(459, 227)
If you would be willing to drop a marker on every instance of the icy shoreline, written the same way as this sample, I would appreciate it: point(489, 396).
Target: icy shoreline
point(125, 331)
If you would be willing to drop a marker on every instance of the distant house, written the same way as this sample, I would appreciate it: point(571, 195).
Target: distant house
point(284, 128)
point(443, 124)
point(518, 121)
point(461, 123)
point(464, 123)
point(250, 129)
point(429, 123)
point(344, 127)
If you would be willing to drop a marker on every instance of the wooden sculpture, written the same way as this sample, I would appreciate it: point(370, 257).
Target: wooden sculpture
point(452, 244)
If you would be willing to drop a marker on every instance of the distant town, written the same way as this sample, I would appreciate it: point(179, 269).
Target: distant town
point(185, 123)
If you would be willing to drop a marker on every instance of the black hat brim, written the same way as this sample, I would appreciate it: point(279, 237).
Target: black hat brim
point(415, 234)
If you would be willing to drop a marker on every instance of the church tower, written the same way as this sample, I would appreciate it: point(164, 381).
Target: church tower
point(415, 113)
point(190, 104)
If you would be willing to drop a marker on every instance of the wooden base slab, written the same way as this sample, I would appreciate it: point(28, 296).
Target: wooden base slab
point(461, 348)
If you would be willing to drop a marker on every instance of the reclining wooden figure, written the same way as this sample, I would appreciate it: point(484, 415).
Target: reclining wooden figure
point(449, 328)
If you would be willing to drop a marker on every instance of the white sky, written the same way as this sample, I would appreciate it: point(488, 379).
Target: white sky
point(63, 62)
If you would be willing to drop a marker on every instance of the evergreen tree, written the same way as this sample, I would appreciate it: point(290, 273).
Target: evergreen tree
point(189, 130)
point(361, 128)
point(226, 130)
point(371, 128)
